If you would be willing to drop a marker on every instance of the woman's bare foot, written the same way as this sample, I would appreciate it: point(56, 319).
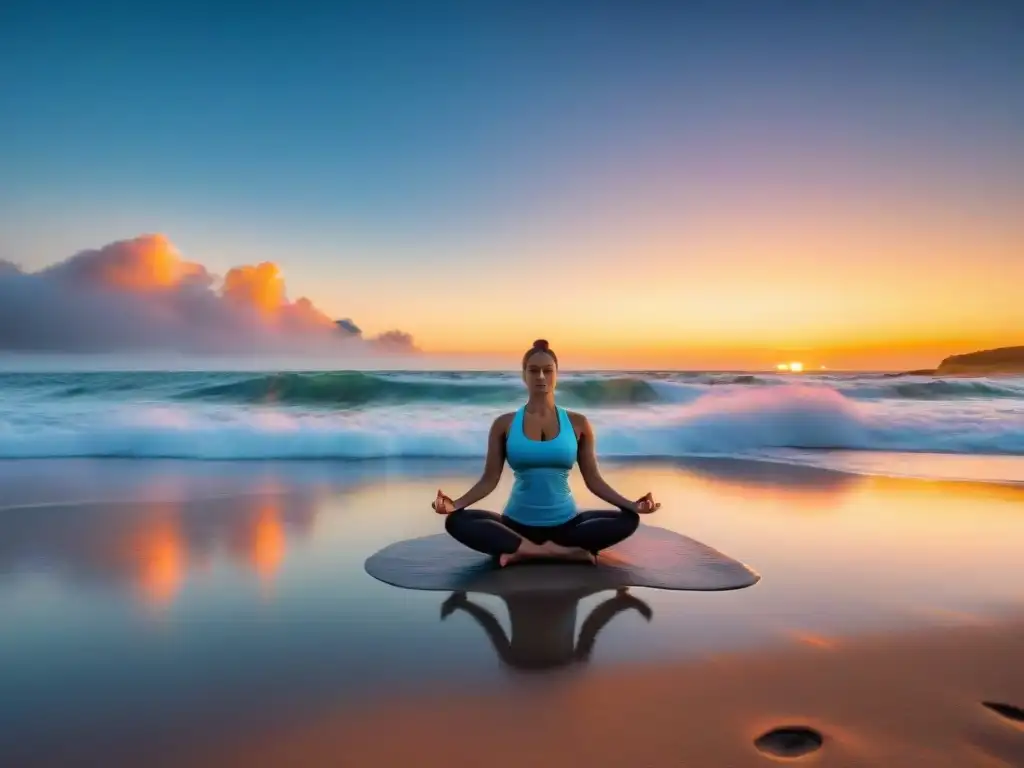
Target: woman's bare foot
point(574, 554)
point(528, 550)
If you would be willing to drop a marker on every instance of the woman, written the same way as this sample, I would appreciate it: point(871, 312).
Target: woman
point(541, 442)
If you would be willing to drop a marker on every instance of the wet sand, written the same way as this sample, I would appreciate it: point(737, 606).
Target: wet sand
point(913, 699)
point(205, 613)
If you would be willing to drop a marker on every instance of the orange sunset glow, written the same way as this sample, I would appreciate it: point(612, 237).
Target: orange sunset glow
point(268, 543)
point(146, 264)
point(875, 279)
point(162, 560)
point(802, 300)
point(156, 548)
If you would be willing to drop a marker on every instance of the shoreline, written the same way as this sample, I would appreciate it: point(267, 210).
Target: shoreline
point(863, 464)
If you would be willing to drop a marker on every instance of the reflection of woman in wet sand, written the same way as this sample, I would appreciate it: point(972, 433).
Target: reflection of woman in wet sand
point(544, 625)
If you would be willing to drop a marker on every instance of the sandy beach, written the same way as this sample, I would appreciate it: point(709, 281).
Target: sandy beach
point(910, 699)
point(218, 613)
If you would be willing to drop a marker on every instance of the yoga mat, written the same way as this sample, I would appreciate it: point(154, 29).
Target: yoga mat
point(651, 557)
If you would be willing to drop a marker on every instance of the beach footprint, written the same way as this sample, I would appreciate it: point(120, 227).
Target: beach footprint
point(1009, 711)
point(789, 741)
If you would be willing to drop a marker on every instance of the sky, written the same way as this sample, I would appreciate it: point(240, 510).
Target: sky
point(698, 185)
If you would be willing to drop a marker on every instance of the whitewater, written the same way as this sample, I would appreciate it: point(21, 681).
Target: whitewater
point(875, 423)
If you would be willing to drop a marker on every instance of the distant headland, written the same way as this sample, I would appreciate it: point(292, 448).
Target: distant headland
point(1004, 361)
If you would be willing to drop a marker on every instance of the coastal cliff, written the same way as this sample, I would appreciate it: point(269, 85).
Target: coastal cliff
point(1004, 360)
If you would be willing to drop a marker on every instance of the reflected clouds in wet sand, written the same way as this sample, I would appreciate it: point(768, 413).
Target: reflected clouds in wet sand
point(153, 548)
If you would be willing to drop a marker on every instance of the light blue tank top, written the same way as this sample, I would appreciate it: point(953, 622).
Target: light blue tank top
point(540, 494)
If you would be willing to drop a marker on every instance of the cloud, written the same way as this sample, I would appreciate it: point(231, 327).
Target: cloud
point(8, 268)
point(348, 326)
point(139, 294)
point(393, 340)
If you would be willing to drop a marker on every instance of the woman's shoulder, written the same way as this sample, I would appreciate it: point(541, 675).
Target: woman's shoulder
point(578, 421)
point(504, 421)
point(500, 428)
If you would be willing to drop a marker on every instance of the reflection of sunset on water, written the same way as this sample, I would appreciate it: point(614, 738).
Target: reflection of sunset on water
point(269, 540)
point(789, 489)
point(167, 545)
point(154, 548)
point(162, 557)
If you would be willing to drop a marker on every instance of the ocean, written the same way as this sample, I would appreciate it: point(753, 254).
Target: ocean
point(865, 423)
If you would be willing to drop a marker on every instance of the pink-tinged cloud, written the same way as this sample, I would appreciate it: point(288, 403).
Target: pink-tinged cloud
point(140, 295)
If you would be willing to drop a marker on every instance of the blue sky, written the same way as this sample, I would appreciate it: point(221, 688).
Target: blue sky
point(463, 144)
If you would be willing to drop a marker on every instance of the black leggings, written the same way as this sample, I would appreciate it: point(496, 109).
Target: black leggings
point(495, 534)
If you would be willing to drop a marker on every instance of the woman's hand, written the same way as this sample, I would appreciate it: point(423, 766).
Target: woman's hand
point(442, 504)
point(646, 504)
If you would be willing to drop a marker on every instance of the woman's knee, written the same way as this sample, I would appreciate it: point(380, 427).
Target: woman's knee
point(455, 521)
point(630, 521)
point(481, 531)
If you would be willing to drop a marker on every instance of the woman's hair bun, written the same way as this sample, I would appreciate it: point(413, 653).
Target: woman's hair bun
point(540, 345)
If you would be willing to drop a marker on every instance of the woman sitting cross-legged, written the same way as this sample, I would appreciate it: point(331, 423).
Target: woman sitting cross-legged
point(541, 443)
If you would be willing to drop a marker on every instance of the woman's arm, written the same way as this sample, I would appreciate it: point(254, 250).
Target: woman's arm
point(587, 457)
point(493, 464)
